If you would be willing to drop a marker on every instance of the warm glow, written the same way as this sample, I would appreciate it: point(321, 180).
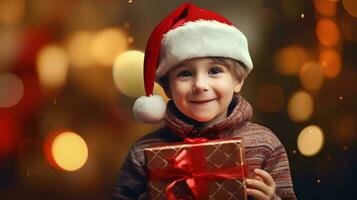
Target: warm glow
point(300, 106)
point(326, 8)
point(79, 49)
point(11, 11)
point(128, 75)
point(289, 60)
point(327, 32)
point(70, 151)
point(330, 62)
point(350, 6)
point(310, 140)
point(107, 45)
point(270, 98)
point(52, 67)
point(11, 90)
point(311, 76)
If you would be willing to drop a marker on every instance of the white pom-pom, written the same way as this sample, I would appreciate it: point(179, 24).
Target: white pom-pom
point(149, 109)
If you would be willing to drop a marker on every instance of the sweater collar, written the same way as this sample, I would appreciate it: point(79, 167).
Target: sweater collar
point(239, 111)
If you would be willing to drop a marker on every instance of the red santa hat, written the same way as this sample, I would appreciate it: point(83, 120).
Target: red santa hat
point(188, 32)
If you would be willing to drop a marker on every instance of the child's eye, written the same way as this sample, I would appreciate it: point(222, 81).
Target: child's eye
point(215, 70)
point(184, 73)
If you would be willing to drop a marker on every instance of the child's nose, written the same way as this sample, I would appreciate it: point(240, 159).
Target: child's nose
point(200, 85)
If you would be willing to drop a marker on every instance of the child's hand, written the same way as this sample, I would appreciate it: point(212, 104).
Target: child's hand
point(262, 187)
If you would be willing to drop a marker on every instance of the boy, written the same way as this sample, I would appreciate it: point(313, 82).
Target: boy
point(201, 60)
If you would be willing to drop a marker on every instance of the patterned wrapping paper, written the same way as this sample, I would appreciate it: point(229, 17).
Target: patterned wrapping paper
point(216, 155)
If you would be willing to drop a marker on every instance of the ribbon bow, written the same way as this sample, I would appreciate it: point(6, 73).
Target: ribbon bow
point(191, 168)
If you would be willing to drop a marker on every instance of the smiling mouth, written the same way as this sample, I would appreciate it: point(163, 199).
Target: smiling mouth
point(201, 101)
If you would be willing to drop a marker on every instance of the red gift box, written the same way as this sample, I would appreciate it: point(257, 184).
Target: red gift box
point(197, 169)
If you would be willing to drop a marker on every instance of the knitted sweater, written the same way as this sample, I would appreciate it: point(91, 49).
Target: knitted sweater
point(263, 149)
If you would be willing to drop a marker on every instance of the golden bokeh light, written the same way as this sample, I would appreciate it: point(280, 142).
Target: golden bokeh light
point(350, 6)
point(11, 11)
point(79, 45)
point(289, 60)
point(52, 67)
point(310, 140)
point(330, 62)
point(300, 106)
point(70, 151)
point(326, 8)
point(11, 90)
point(327, 32)
point(311, 76)
point(270, 98)
point(107, 45)
point(128, 73)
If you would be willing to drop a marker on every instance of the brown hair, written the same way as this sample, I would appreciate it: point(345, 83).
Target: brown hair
point(236, 67)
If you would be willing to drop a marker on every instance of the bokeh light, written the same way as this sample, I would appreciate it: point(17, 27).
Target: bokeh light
point(107, 45)
point(310, 140)
point(270, 98)
point(345, 128)
point(350, 6)
point(11, 11)
point(128, 74)
point(79, 49)
point(327, 32)
point(311, 76)
point(330, 62)
point(52, 67)
point(289, 60)
point(326, 8)
point(70, 151)
point(300, 106)
point(11, 90)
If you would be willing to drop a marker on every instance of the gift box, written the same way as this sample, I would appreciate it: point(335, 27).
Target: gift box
point(197, 169)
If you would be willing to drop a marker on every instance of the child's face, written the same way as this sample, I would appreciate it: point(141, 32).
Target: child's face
point(202, 89)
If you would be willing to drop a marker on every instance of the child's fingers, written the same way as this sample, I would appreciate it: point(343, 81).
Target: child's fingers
point(267, 178)
point(256, 194)
point(259, 185)
point(258, 178)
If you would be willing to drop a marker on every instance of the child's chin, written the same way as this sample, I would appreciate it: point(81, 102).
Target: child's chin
point(202, 119)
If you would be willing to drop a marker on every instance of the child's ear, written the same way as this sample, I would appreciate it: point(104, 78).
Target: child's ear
point(238, 86)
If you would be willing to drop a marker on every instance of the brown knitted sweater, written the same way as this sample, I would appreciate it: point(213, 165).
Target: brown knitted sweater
point(263, 149)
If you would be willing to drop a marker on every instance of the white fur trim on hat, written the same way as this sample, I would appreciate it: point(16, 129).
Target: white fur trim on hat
point(202, 38)
point(149, 109)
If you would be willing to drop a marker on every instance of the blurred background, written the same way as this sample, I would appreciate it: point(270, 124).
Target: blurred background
point(70, 71)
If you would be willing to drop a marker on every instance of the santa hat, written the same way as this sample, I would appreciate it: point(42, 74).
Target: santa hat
point(188, 32)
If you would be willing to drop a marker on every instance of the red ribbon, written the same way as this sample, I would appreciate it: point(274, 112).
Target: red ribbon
point(191, 168)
